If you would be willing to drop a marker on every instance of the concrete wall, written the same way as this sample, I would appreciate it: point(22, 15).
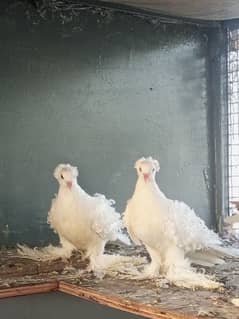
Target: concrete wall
point(99, 92)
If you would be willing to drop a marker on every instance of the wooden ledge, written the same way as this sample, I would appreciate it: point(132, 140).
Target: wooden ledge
point(29, 290)
point(108, 300)
point(119, 303)
point(92, 295)
point(149, 299)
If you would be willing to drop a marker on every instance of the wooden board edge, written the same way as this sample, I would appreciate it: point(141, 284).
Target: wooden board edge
point(88, 294)
point(119, 303)
point(28, 290)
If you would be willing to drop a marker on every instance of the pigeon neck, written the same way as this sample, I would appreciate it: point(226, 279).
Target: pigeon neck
point(151, 183)
point(149, 187)
point(65, 190)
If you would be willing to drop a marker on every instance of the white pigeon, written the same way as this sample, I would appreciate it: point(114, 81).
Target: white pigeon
point(82, 221)
point(172, 233)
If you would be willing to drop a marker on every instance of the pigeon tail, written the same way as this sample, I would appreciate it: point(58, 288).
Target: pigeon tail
point(124, 267)
point(189, 278)
point(45, 253)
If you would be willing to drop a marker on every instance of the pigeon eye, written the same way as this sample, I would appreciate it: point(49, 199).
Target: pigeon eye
point(153, 169)
point(62, 176)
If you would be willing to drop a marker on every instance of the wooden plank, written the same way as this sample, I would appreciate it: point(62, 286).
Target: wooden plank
point(29, 290)
point(203, 9)
point(119, 303)
point(153, 299)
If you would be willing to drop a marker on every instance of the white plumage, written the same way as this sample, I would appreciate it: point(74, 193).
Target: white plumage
point(85, 222)
point(171, 232)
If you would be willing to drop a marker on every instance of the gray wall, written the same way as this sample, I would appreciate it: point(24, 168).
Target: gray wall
point(99, 92)
point(57, 305)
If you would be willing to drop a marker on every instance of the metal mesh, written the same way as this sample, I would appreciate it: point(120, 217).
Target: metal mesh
point(233, 116)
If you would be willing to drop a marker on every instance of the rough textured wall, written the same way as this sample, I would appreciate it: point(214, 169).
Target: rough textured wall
point(98, 92)
point(57, 305)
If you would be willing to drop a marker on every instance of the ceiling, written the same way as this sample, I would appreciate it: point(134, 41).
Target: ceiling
point(197, 9)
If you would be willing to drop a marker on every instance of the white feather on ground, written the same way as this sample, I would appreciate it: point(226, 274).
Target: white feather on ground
point(172, 233)
point(83, 222)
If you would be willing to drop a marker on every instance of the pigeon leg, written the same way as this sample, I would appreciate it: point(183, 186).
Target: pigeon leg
point(67, 248)
point(95, 254)
point(152, 270)
point(175, 260)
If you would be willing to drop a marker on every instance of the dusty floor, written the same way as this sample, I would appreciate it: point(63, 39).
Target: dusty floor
point(17, 271)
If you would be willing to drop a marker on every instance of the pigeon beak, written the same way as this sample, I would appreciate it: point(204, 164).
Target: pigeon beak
point(69, 184)
point(146, 177)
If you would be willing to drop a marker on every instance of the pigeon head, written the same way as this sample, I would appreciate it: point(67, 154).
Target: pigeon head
point(66, 175)
point(147, 168)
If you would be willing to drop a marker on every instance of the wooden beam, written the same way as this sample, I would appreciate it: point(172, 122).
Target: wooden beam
point(29, 290)
point(214, 10)
point(119, 303)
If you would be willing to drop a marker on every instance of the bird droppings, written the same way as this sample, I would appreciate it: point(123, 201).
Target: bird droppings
point(16, 271)
point(235, 301)
point(206, 313)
